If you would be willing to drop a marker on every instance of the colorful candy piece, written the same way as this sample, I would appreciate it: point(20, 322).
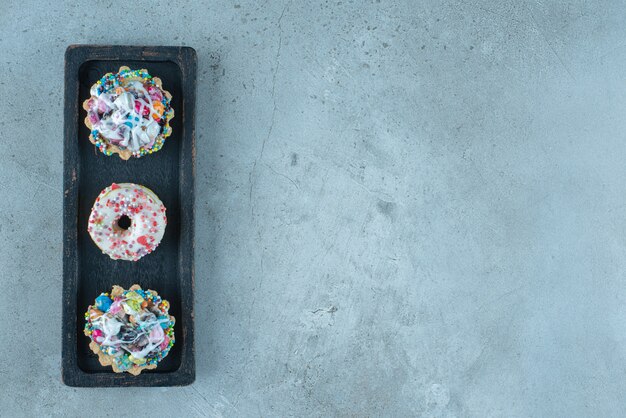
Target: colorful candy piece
point(94, 118)
point(115, 307)
point(131, 307)
point(165, 343)
point(134, 296)
point(133, 300)
point(96, 335)
point(136, 360)
point(102, 107)
point(164, 321)
point(156, 335)
point(103, 303)
point(155, 93)
point(164, 306)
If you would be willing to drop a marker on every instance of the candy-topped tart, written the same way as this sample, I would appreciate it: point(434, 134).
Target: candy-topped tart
point(130, 330)
point(128, 113)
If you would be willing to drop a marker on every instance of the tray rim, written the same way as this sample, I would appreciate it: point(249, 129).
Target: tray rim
point(186, 59)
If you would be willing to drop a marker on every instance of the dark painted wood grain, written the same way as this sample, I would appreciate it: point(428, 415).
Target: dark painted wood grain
point(169, 173)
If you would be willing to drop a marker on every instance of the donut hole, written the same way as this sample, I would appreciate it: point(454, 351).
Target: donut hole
point(123, 222)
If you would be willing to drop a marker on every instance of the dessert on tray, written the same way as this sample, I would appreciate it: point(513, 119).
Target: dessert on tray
point(130, 330)
point(128, 113)
point(127, 221)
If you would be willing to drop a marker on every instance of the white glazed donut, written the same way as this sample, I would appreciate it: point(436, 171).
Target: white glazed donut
point(147, 221)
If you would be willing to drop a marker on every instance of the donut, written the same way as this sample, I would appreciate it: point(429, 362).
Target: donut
point(128, 113)
point(130, 330)
point(127, 221)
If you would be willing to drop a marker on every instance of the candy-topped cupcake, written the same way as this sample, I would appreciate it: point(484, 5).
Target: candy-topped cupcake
point(128, 113)
point(130, 330)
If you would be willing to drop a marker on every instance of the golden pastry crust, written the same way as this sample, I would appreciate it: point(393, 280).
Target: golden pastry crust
point(105, 360)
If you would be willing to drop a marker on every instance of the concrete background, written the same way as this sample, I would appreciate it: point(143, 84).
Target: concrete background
point(403, 208)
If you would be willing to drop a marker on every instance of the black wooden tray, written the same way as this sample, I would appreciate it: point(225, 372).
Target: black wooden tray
point(169, 173)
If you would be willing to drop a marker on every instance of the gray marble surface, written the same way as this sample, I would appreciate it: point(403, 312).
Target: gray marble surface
point(403, 208)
